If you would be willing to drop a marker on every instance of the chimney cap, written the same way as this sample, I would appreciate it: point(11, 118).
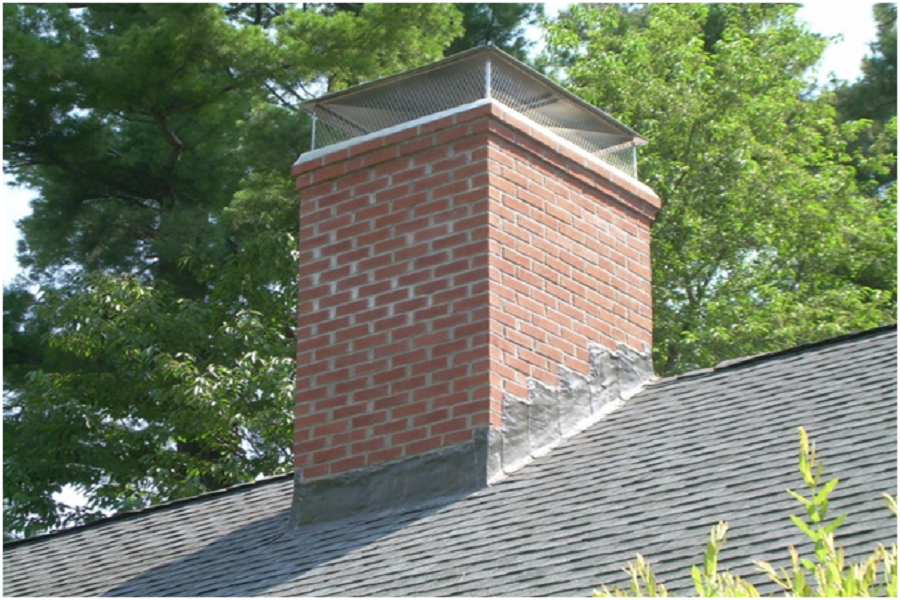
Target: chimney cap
point(470, 76)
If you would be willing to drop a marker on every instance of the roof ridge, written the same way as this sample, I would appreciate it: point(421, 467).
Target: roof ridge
point(119, 516)
point(722, 366)
point(743, 361)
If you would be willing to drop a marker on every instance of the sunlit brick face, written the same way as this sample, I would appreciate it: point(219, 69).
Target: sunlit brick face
point(448, 263)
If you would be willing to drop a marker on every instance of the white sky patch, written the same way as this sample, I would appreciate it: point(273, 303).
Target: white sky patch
point(852, 21)
point(70, 497)
point(16, 204)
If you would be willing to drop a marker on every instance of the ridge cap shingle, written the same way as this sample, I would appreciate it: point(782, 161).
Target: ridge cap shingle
point(743, 361)
point(137, 512)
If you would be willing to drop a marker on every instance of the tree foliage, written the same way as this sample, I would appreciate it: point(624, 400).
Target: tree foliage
point(874, 97)
point(149, 352)
point(766, 238)
point(826, 574)
point(499, 24)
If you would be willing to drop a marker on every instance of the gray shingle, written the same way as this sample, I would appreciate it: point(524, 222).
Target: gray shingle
point(652, 477)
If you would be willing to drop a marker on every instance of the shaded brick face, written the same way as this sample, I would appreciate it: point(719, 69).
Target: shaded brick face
point(569, 261)
point(445, 264)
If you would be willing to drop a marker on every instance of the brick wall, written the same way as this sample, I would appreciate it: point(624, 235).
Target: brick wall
point(445, 264)
point(569, 258)
point(393, 335)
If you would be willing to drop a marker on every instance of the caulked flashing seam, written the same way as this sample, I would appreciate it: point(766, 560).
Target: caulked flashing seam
point(532, 427)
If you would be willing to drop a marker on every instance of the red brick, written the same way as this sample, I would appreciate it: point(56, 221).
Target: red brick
point(405, 134)
point(409, 410)
point(310, 420)
point(370, 341)
point(328, 173)
point(470, 408)
point(330, 428)
point(316, 471)
point(354, 462)
point(380, 156)
point(450, 425)
point(451, 189)
point(407, 385)
point(349, 411)
point(469, 259)
point(391, 167)
point(408, 435)
point(329, 454)
point(450, 163)
point(367, 446)
point(310, 446)
point(437, 124)
point(416, 145)
point(390, 427)
point(380, 456)
point(458, 437)
point(471, 143)
point(348, 437)
point(449, 135)
point(305, 166)
point(429, 417)
point(423, 445)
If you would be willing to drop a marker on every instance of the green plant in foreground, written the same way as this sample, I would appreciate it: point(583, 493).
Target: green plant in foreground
point(827, 575)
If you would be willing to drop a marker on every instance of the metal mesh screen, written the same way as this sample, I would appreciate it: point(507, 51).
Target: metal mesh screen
point(463, 80)
point(566, 118)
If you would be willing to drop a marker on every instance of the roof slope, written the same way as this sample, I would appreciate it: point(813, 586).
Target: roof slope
point(652, 477)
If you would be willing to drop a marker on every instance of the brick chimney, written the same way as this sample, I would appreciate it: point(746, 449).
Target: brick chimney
point(474, 282)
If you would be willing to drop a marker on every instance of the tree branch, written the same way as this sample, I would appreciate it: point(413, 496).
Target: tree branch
point(129, 197)
point(125, 117)
point(280, 98)
point(176, 144)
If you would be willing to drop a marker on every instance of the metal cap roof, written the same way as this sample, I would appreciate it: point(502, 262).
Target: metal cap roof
point(470, 76)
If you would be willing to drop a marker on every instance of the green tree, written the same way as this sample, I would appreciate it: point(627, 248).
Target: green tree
point(766, 238)
point(874, 97)
point(502, 25)
point(149, 352)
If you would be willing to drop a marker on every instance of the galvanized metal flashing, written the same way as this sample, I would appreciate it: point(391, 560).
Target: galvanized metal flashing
point(419, 479)
point(531, 428)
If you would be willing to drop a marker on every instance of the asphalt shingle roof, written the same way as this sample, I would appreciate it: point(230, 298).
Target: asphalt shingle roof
point(652, 477)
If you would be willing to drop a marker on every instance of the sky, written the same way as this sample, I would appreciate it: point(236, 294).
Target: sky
point(852, 21)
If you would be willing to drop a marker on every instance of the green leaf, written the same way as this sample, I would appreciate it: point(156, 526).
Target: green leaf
point(832, 527)
point(799, 581)
point(802, 526)
point(710, 558)
point(799, 498)
point(178, 238)
point(822, 496)
point(698, 580)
